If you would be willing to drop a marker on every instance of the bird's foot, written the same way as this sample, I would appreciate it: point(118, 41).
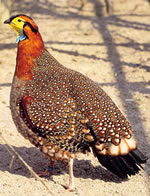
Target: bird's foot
point(47, 172)
point(70, 188)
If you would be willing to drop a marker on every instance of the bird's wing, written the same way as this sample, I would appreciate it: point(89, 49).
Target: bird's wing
point(59, 122)
point(111, 131)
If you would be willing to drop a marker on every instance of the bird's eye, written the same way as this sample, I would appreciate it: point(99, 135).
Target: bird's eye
point(19, 20)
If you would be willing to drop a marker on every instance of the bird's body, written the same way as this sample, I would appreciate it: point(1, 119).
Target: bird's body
point(60, 105)
point(63, 112)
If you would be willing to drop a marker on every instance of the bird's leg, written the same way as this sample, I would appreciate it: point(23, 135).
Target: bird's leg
point(48, 171)
point(71, 186)
point(50, 167)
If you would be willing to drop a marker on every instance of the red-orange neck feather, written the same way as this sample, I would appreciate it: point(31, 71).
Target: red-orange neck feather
point(28, 50)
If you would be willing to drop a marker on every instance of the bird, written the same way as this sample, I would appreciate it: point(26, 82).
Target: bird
point(63, 112)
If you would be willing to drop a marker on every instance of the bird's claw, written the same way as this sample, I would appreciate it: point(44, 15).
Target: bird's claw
point(69, 188)
point(45, 173)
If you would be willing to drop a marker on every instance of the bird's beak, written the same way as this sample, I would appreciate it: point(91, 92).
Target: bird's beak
point(13, 26)
point(7, 21)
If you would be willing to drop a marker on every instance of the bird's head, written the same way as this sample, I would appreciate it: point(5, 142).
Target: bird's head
point(23, 25)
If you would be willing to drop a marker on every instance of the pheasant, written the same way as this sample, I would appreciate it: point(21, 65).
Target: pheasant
point(63, 112)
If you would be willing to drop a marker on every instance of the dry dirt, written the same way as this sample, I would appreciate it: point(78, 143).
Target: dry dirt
point(113, 50)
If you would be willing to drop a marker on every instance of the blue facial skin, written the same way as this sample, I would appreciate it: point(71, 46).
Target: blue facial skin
point(20, 37)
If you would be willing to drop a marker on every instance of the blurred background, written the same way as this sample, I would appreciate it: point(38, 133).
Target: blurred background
point(108, 41)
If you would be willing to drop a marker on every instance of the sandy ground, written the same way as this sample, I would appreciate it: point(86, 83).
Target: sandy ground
point(113, 51)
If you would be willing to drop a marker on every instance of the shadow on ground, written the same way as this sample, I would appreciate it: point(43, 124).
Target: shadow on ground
point(32, 156)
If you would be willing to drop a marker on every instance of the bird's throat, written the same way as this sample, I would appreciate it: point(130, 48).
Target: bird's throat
point(20, 37)
point(28, 51)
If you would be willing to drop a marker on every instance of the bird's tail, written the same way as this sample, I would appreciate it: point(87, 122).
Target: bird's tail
point(122, 165)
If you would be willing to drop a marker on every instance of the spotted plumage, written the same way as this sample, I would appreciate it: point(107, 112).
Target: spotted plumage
point(63, 112)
